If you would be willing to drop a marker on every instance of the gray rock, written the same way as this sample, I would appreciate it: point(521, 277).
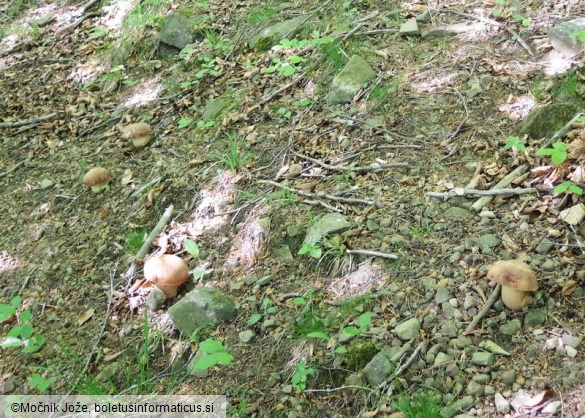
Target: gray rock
point(9, 386)
point(461, 342)
point(508, 377)
point(329, 224)
point(511, 328)
point(571, 340)
point(273, 34)
point(489, 390)
point(462, 404)
point(448, 310)
point(409, 28)
point(482, 358)
point(470, 301)
point(202, 306)
point(284, 254)
point(502, 405)
point(191, 366)
point(212, 109)
point(268, 324)
point(247, 336)
point(570, 351)
point(408, 329)
point(350, 80)
point(535, 317)
point(474, 388)
point(481, 378)
point(378, 369)
point(456, 212)
point(443, 295)
point(544, 246)
point(563, 38)
point(442, 359)
point(423, 17)
point(450, 329)
point(487, 242)
point(182, 28)
point(155, 299)
point(545, 121)
point(548, 265)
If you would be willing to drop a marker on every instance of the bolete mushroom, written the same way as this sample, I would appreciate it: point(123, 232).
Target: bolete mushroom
point(139, 133)
point(167, 272)
point(96, 178)
point(517, 279)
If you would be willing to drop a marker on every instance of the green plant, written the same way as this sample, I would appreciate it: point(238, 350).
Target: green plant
point(284, 112)
point(98, 32)
point(214, 353)
point(234, 158)
point(568, 187)
point(363, 322)
point(23, 334)
point(185, 122)
point(558, 152)
point(421, 404)
point(580, 35)
point(302, 102)
point(134, 240)
point(40, 383)
point(259, 14)
point(314, 250)
point(286, 68)
point(515, 142)
point(568, 87)
point(204, 125)
point(511, 10)
point(191, 247)
point(299, 378)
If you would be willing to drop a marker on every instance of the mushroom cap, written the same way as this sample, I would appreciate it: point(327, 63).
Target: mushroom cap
point(135, 130)
point(166, 270)
point(97, 176)
point(515, 274)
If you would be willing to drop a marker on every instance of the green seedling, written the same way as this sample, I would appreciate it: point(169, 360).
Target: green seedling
point(185, 122)
point(299, 378)
point(568, 187)
point(302, 103)
point(40, 383)
point(516, 143)
point(204, 125)
point(214, 353)
point(313, 250)
point(363, 322)
point(191, 247)
point(558, 152)
point(23, 334)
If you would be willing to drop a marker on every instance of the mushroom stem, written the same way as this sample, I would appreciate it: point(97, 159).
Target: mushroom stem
point(169, 291)
point(96, 189)
point(515, 299)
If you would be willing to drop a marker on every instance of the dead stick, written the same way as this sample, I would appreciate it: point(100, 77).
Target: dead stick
point(373, 253)
point(479, 204)
point(495, 192)
point(164, 219)
point(486, 307)
point(372, 167)
point(26, 121)
point(318, 195)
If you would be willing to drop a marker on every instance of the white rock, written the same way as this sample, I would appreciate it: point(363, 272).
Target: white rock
point(571, 352)
point(551, 343)
point(502, 405)
point(552, 408)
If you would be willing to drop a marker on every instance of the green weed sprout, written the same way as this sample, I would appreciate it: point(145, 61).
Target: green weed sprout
point(558, 152)
point(299, 379)
point(568, 187)
point(214, 353)
point(515, 142)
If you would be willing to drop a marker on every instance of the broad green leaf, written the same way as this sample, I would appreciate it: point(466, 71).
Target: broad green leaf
point(223, 357)
point(560, 145)
point(191, 247)
point(184, 122)
point(351, 330)
point(6, 312)
point(15, 302)
point(559, 157)
point(364, 320)
point(204, 362)
point(254, 319)
point(210, 346)
point(26, 331)
point(299, 301)
point(340, 350)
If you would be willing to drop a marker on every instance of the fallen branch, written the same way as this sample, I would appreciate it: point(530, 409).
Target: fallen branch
point(373, 254)
point(506, 181)
point(484, 310)
point(372, 167)
point(494, 192)
point(318, 195)
point(164, 219)
point(27, 121)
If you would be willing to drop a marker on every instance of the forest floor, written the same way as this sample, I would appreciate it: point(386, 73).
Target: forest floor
point(446, 107)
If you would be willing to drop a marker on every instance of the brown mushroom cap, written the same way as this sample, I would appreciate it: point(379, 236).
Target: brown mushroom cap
point(167, 271)
point(139, 133)
point(96, 178)
point(515, 274)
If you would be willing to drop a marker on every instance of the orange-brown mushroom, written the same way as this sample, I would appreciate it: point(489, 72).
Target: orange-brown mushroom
point(139, 133)
point(96, 178)
point(167, 272)
point(517, 279)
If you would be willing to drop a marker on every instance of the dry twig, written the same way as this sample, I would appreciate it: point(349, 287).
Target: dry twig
point(318, 195)
point(484, 310)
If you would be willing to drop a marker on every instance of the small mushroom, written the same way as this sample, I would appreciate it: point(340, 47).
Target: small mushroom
point(167, 272)
point(517, 279)
point(96, 178)
point(139, 133)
